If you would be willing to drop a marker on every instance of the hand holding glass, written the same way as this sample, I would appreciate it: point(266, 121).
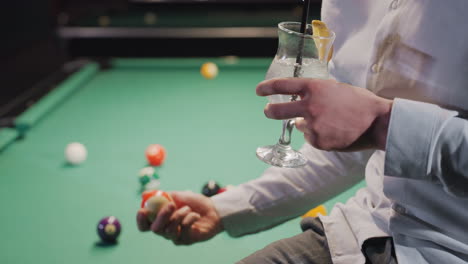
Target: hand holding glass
point(313, 63)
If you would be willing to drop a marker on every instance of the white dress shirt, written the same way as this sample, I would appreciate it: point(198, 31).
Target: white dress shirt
point(415, 51)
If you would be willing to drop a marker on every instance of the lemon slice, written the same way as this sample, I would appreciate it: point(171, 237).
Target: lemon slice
point(319, 210)
point(319, 28)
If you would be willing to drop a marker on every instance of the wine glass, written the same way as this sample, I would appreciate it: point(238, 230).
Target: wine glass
point(299, 55)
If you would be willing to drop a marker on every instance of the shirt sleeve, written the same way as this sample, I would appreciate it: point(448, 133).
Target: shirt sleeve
point(281, 194)
point(427, 142)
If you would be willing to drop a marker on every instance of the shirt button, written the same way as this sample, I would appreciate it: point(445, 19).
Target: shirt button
point(375, 68)
point(394, 4)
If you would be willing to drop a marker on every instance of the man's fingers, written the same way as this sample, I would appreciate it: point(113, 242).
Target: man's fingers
point(185, 237)
point(309, 139)
point(142, 220)
point(285, 110)
point(173, 228)
point(162, 219)
point(191, 218)
point(283, 86)
point(301, 124)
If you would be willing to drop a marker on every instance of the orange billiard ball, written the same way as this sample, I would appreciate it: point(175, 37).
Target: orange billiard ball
point(155, 154)
point(153, 201)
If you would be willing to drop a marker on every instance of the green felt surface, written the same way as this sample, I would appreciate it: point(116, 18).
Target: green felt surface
point(7, 137)
point(210, 129)
point(32, 115)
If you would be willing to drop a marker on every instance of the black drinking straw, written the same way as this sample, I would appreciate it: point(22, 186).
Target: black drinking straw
point(305, 18)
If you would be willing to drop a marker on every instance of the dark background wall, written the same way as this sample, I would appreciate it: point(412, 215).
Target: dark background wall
point(31, 50)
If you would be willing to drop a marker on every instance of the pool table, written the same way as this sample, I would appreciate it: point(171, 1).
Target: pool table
point(210, 129)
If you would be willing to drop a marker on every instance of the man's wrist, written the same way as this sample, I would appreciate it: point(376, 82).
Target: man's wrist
point(381, 123)
point(219, 227)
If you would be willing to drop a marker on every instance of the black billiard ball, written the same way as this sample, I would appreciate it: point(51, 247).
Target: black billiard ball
point(108, 229)
point(210, 189)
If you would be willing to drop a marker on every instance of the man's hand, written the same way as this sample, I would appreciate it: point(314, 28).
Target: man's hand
point(193, 218)
point(335, 116)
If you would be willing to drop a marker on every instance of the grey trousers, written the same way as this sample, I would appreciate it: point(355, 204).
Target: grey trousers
point(311, 247)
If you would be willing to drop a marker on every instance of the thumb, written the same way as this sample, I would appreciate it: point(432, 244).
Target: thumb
point(197, 202)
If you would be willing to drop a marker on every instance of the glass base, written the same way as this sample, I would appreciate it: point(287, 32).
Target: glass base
point(281, 156)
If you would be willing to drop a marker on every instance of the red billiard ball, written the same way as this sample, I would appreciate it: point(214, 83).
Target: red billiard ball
point(148, 194)
point(155, 154)
point(226, 188)
point(145, 195)
point(153, 201)
point(221, 190)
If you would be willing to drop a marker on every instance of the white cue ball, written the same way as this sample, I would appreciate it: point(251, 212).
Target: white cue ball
point(75, 153)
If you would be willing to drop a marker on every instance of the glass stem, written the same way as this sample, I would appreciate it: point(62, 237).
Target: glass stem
point(288, 126)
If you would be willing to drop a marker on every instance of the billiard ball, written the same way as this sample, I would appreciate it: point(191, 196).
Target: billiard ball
point(152, 185)
point(209, 70)
point(104, 21)
point(75, 153)
point(147, 174)
point(210, 189)
point(231, 59)
point(226, 188)
point(151, 193)
point(150, 18)
point(153, 201)
point(314, 212)
point(155, 154)
point(109, 229)
point(144, 179)
point(221, 190)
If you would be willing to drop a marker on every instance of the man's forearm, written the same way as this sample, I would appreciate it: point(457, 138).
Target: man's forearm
point(281, 194)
